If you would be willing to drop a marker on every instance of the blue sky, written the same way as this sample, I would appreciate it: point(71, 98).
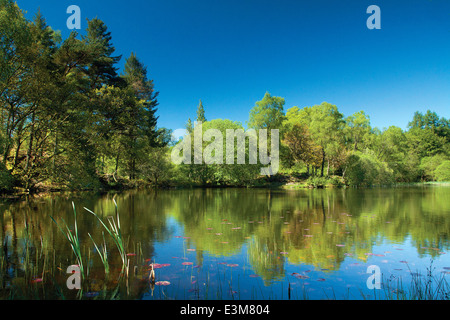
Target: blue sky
point(229, 53)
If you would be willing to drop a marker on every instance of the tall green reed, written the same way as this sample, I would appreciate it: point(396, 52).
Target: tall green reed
point(114, 230)
point(73, 239)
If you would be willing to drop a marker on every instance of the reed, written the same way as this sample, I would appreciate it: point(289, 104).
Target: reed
point(73, 239)
point(102, 252)
point(115, 232)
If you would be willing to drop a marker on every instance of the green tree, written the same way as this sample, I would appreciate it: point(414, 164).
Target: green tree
point(201, 113)
point(143, 113)
point(267, 113)
point(357, 127)
point(442, 172)
point(326, 124)
point(103, 69)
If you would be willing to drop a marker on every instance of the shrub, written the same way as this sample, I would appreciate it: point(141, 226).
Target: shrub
point(364, 169)
point(442, 172)
point(428, 166)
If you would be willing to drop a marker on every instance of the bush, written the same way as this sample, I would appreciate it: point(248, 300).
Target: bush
point(428, 166)
point(317, 182)
point(442, 172)
point(364, 169)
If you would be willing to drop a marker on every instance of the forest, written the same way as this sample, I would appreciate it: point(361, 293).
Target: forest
point(71, 120)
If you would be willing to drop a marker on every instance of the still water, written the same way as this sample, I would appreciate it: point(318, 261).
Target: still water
point(230, 243)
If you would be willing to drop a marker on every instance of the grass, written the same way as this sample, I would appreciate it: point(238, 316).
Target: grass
point(421, 287)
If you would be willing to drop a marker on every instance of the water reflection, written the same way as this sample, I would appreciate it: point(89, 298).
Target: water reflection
point(270, 229)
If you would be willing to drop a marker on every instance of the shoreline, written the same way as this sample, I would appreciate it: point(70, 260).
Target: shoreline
point(274, 185)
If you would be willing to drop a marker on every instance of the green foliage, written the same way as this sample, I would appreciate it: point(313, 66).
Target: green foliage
point(365, 169)
point(428, 165)
point(267, 113)
point(442, 172)
point(6, 179)
point(68, 119)
point(201, 113)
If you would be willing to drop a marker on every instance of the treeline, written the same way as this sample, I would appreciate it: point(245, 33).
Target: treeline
point(68, 119)
point(319, 146)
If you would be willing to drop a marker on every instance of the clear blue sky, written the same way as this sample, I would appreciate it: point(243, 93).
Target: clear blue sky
point(228, 53)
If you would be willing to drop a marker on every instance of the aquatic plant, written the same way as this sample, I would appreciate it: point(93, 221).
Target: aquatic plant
point(73, 239)
point(115, 232)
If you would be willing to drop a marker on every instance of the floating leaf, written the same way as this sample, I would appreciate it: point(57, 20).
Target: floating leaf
point(159, 266)
point(301, 276)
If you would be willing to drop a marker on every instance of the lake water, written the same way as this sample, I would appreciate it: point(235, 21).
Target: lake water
point(230, 243)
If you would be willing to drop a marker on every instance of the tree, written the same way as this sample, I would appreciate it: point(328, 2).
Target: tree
point(442, 172)
point(15, 41)
point(365, 169)
point(267, 113)
point(301, 146)
point(102, 70)
point(326, 124)
point(189, 126)
point(201, 113)
point(357, 127)
point(143, 113)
